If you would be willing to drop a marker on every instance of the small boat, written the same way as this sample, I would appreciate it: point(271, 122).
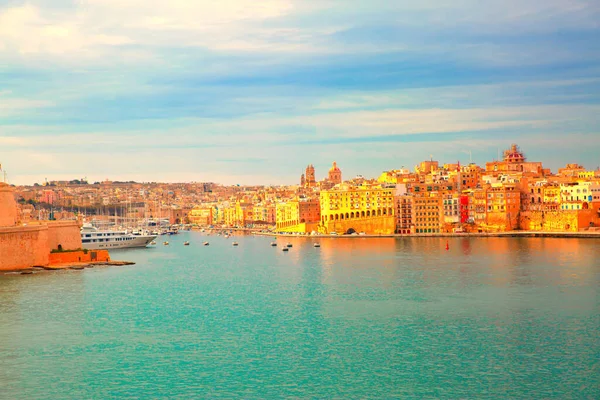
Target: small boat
point(166, 243)
point(289, 245)
point(285, 249)
point(273, 244)
point(234, 243)
point(205, 244)
point(186, 243)
point(317, 245)
point(153, 242)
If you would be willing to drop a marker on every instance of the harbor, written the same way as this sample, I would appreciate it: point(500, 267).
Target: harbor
point(364, 314)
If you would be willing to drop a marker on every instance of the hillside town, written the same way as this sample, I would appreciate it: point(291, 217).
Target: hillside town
point(509, 194)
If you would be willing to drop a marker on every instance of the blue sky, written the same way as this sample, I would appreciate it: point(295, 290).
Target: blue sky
point(251, 92)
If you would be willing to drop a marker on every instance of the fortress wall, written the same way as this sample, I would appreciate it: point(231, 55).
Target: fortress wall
point(64, 233)
point(8, 207)
point(23, 247)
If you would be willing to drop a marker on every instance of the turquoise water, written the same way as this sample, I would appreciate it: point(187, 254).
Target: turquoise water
point(356, 318)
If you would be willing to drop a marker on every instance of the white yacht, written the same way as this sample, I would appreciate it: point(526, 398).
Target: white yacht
point(93, 239)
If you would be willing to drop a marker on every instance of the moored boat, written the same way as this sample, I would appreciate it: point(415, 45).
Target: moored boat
point(94, 239)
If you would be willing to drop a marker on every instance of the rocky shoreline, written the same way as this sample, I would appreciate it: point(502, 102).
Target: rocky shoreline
point(68, 266)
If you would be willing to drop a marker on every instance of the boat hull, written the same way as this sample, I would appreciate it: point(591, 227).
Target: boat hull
point(127, 242)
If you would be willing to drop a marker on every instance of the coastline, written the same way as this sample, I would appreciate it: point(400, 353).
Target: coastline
point(66, 266)
point(529, 234)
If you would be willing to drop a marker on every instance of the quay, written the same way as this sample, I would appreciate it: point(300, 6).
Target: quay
point(529, 234)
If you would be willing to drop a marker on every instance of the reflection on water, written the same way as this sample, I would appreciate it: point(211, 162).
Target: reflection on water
point(355, 318)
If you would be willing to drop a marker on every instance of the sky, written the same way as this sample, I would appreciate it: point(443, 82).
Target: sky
point(250, 92)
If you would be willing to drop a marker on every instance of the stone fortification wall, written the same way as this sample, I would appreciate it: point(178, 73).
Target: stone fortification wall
point(23, 247)
point(8, 207)
point(560, 221)
point(65, 234)
point(26, 246)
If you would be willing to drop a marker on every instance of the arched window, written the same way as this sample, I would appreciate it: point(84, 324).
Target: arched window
point(362, 214)
point(368, 213)
point(347, 216)
point(352, 214)
point(337, 217)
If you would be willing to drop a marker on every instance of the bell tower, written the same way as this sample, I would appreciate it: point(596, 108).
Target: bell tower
point(310, 176)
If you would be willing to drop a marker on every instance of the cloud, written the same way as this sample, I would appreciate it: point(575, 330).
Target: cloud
point(26, 30)
point(285, 82)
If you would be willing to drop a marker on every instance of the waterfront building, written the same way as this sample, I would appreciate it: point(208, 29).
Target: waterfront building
point(450, 209)
point(265, 214)
point(503, 207)
point(202, 216)
point(347, 209)
point(404, 206)
point(298, 215)
point(575, 195)
point(427, 213)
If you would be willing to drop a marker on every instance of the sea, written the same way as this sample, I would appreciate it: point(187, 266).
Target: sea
point(357, 318)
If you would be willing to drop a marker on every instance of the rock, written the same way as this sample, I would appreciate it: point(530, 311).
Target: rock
point(120, 263)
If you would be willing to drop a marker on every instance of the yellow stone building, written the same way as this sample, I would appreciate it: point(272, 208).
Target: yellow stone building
point(265, 213)
point(287, 215)
point(201, 216)
point(427, 213)
point(298, 216)
point(230, 216)
point(360, 209)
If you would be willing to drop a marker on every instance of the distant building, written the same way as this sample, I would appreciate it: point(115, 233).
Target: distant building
point(335, 174)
